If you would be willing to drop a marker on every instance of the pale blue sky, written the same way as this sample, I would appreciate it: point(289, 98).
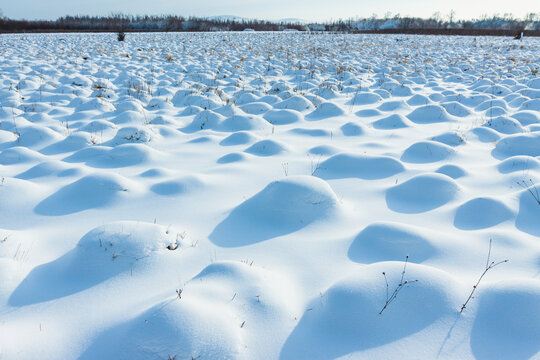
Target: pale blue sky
point(305, 9)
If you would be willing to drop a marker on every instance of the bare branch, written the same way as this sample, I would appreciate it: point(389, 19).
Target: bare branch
point(398, 288)
point(489, 266)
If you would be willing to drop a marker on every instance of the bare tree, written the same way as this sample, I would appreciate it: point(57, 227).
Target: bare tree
point(451, 16)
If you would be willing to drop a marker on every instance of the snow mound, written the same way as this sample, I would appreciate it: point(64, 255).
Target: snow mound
point(266, 148)
point(245, 98)
point(243, 123)
point(33, 136)
point(492, 105)
point(507, 322)
point(283, 117)
point(326, 110)
point(486, 134)
point(519, 144)
point(191, 110)
point(297, 102)
point(533, 105)
point(8, 112)
point(323, 150)
point(429, 114)
point(394, 121)
point(128, 239)
point(481, 213)
point(203, 140)
point(256, 108)
point(368, 167)
point(368, 113)
point(365, 98)
point(97, 126)
point(402, 91)
point(238, 138)
point(206, 119)
point(231, 158)
point(534, 83)
point(421, 193)
point(200, 101)
point(157, 104)
point(102, 253)
point(155, 173)
point(352, 129)
point(16, 193)
point(326, 93)
point(533, 128)
point(450, 138)
point(527, 117)
point(72, 142)
point(129, 105)
point(270, 99)
point(46, 168)
point(495, 111)
point(90, 192)
point(281, 208)
point(169, 328)
point(124, 155)
point(163, 120)
point(504, 125)
point(417, 100)
point(529, 210)
point(7, 137)
point(497, 90)
point(394, 106)
point(129, 117)
point(133, 134)
point(205, 322)
point(19, 155)
point(427, 152)
point(387, 241)
point(518, 163)
point(96, 104)
point(456, 109)
point(453, 171)
point(346, 319)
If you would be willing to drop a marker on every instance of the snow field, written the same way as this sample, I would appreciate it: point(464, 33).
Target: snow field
point(238, 196)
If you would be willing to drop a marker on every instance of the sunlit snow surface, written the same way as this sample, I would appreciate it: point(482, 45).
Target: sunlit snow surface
point(238, 196)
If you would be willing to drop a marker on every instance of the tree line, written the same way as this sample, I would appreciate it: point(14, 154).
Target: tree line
point(387, 23)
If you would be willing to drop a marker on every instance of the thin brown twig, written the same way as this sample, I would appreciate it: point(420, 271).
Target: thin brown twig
point(398, 288)
point(489, 266)
point(529, 188)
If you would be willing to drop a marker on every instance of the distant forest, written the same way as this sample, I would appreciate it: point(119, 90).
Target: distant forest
point(436, 24)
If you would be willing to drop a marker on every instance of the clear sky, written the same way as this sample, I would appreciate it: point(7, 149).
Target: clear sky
point(314, 10)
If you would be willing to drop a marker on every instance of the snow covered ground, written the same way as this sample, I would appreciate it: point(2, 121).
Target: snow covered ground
point(239, 196)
